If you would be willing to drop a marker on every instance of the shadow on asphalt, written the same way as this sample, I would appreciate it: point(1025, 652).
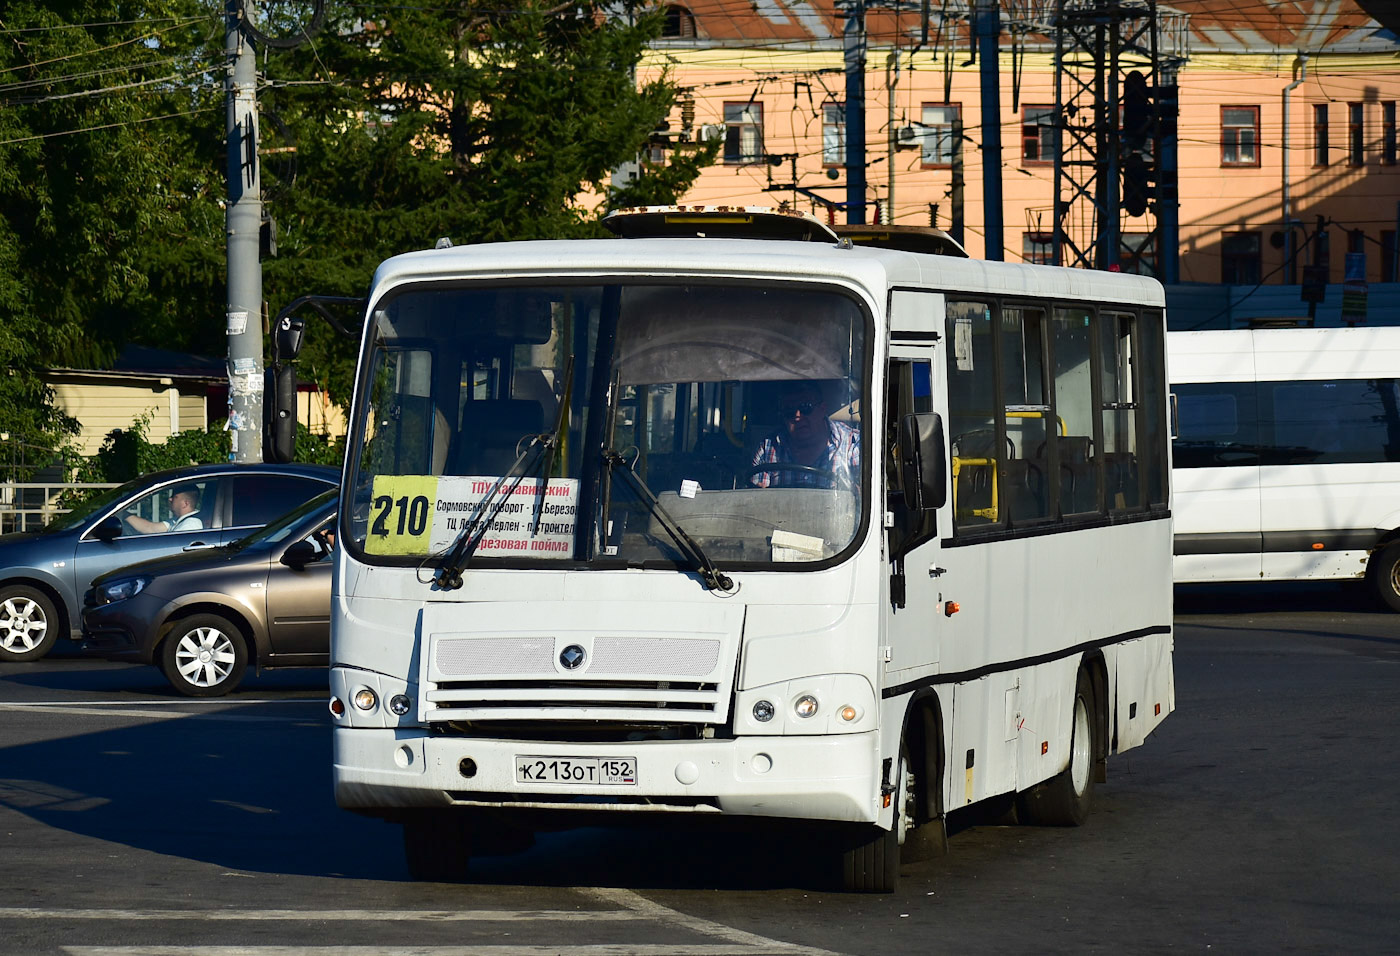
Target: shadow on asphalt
point(1330, 597)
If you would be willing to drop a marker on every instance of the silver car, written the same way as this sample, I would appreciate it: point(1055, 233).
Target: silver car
point(44, 574)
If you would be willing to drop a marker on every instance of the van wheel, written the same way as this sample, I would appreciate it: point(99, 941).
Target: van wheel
point(870, 861)
point(1383, 573)
point(1065, 799)
point(204, 655)
point(437, 845)
point(28, 623)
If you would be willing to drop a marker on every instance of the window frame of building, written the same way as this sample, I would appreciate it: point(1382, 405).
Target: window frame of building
point(1137, 253)
point(679, 23)
point(1033, 131)
point(734, 132)
point(936, 135)
point(1239, 266)
point(1239, 139)
point(1356, 134)
point(833, 135)
point(1038, 248)
point(1388, 140)
point(1320, 157)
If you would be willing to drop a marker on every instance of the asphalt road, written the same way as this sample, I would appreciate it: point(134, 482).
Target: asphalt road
point(1259, 818)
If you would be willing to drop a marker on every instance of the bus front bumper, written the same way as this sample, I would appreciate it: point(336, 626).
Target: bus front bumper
point(833, 777)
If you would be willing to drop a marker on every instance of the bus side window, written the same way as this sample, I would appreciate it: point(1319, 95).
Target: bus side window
point(909, 389)
point(976, 453)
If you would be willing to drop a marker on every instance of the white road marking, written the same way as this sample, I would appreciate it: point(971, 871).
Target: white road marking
point(596, 949)
point(331, 916)
point(86, 710)
point(648, 909)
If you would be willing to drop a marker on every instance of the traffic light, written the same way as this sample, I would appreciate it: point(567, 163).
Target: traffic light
point(1137, 111)
point(1137, 185)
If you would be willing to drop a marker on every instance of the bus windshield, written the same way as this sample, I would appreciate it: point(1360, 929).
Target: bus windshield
point(505, 413)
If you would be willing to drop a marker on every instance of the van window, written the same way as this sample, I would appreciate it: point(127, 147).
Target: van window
point(1216, 425)
point(1352, 420)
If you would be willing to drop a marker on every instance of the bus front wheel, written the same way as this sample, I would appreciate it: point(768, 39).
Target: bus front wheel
point(870, 861)
point(1064, 800)
point(437, 845)
point(1383, 572)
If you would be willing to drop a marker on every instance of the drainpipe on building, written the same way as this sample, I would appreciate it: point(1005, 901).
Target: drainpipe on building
point(1300, 73)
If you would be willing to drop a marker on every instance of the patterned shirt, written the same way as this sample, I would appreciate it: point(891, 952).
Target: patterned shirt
point(842, 458)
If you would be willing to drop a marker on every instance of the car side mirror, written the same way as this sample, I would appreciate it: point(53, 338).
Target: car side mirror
point(108, 528)
point(923, 461)
point(300, 554)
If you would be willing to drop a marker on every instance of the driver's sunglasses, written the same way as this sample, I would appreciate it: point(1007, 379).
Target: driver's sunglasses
point(790, 411)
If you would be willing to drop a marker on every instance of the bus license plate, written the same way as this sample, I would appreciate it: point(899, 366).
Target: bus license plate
point(586, 771)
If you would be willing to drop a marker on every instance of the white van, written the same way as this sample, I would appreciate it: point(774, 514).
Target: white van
point(1287, 455)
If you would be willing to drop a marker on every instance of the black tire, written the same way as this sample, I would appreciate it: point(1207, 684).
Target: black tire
point(437, 845)
point(1383, 574)
point(204, 655)
point(1065, 799)
point(870, 861)
point(29, 623)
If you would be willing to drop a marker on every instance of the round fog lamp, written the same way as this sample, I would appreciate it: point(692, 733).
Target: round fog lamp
point(806, 706)
point(763, 711)
point(399, 704)
point(365, 699)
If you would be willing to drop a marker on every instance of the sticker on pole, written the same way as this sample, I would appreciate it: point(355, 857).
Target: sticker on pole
point(423, 514)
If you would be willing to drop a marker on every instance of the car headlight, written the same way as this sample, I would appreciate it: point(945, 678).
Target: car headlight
point(121, 589)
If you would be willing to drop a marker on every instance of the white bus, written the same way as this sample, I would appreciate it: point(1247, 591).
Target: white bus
point(598, 568)
point(1287, 455)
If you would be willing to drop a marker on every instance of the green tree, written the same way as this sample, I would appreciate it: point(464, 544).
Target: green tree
point(92, 93)
point(467, 120)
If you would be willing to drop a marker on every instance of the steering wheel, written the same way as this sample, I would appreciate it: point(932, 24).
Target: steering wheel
point(749, 472)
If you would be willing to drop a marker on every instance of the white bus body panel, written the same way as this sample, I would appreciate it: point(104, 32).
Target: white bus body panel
point(1272, 499)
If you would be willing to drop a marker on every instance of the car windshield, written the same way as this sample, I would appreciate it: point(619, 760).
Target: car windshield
point(286, 526)
point(507, 412)
point(95, 504)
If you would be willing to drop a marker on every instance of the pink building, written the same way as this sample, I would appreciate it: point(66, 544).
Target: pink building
point(767, 76)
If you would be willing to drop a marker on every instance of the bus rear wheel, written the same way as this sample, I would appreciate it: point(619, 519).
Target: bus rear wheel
point(1065, 799)
point(437, 845)
point(1383, 573)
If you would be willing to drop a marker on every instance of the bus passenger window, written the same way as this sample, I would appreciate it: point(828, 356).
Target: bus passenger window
point(1119, 411)
point(1075, 410)
point(1027, 475)
point(977, 453)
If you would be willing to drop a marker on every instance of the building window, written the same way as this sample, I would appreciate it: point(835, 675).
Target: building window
point(1040, 140)
point(940, 140)
point(1356, 134)
point(833, 134)
point(1137, 254)
point(1388, 272)
point(1240, 258)
point(1388, 149)
point(743, 132)
point(1319, 134)
point(679, 24)
point(1239, 136)
point(1038, 248)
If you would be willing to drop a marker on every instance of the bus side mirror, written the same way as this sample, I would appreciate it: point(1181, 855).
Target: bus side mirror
point(287, 341)
point(923, 461)
point(280, 414)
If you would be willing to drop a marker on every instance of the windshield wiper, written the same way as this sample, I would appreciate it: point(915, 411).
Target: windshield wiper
point(714, 578)
point(449, 573)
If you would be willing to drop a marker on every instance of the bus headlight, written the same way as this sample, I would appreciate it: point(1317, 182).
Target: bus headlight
point(399, 704)
point(365, 699)
point(763, 711)
point(806, 706)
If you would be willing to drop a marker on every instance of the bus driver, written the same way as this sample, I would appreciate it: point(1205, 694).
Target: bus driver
point(827, 451)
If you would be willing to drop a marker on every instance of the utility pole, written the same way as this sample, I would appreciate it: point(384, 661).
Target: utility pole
point(988, 27)
point(853, 40)
point(242, 222)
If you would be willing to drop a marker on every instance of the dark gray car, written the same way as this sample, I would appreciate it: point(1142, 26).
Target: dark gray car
point(202, 618)
point(44, 574)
